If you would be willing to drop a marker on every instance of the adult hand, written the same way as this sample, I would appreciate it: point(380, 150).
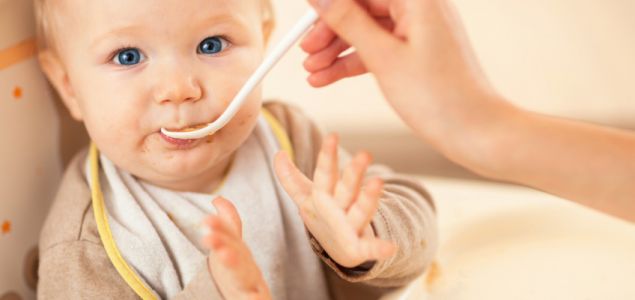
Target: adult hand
point(418, 52)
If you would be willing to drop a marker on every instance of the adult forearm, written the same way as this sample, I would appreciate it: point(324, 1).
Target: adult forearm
point(588, 164)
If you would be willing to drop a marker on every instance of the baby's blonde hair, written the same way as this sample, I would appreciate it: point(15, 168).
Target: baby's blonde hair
point(42, 23)
point(45, 38)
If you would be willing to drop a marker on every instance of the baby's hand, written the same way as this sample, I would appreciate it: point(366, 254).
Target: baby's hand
point(230, 261)
point(337, 211)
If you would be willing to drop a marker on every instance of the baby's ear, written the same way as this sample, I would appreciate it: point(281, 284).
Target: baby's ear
point(58, 76)
point(267, 29)
point(268, 21)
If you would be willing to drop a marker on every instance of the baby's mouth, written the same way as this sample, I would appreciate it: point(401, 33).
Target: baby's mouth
point(188, 129)
point(182, 143)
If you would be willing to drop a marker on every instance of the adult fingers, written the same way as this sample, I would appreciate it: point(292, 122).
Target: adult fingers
point(347, 66)
point(354, 24)
point(317, 38)
point(325, 57)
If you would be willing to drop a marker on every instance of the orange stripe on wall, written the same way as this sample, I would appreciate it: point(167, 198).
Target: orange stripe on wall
point(17, 53)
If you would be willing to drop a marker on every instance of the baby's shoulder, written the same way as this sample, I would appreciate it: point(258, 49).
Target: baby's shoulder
point(70, 218)
point(286, 114)
point(304, 135)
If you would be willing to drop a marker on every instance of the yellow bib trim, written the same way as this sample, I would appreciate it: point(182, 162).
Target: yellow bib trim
point(99, 209)
point(101, 217)
point(280, 133)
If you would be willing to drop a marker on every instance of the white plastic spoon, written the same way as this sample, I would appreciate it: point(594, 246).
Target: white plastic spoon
point(276, 54)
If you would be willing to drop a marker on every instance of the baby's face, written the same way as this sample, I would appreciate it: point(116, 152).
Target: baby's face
point(134, 67)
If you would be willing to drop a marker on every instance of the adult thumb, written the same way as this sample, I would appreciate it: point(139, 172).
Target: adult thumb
point(352, 23)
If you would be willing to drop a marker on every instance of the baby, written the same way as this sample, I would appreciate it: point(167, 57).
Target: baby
point(127, 220)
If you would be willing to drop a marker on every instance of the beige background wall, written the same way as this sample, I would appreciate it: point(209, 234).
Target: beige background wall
point(30, 164)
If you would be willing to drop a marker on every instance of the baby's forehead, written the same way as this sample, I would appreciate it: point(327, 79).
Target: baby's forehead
point(89, 19)
point(156, 13)
point(159, 11)
point(61, 20)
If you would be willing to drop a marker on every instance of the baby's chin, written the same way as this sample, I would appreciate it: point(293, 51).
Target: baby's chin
point(184, 162)
point(182, 171)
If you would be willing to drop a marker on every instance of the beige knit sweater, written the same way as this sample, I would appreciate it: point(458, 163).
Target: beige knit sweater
point(74, 263)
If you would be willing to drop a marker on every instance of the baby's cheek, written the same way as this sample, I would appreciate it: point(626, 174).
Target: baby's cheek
point(118, 142)
point(247, 118)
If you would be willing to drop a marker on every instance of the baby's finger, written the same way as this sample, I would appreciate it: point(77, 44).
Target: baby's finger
point(227, 256)
point(318, 38)
point(225, 244)
point(347, 189)
point(326, 57)
point(233, 266)
point(297, 185)
point(228, 212)
point(346, 66)
point(231, 251)
point(364, 209)
point(218, 235)
point(217, 225)
point(327, 169)
point(376, 249)
point(238, 260)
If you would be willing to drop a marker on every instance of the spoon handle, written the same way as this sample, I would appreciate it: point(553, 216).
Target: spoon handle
point(268, 63)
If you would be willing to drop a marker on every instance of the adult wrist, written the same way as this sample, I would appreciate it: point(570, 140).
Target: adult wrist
point(478, 135)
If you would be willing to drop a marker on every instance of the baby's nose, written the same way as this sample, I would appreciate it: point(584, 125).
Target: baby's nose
point(178, 88)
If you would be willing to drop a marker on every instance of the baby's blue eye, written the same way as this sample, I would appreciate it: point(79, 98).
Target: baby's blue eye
point(212, 45)
point(128, 57)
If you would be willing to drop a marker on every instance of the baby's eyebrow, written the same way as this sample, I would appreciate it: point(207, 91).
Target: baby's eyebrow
point(230, 19)
point(103, 38)
point(135, 29)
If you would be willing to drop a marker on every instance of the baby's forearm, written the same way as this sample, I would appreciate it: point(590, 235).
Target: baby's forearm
point(589, 164)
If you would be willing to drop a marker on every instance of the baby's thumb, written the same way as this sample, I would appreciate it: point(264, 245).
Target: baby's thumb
point(229, 214)
point(358, 28)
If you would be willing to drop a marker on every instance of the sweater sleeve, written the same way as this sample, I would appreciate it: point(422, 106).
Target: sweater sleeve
point(406, 214)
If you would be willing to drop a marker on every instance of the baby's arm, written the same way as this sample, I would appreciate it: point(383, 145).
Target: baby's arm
point(376, 227)
point(405, 214)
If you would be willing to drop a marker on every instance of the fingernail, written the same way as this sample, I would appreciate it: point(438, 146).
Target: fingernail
point(321, 4)
point(324, 3)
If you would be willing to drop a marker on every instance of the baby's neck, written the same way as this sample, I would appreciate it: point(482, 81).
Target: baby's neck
point(206, 183)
